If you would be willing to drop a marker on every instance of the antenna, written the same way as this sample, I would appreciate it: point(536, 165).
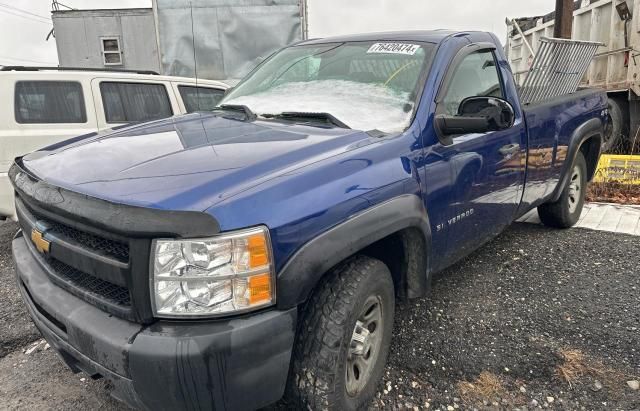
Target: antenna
point(55, 6)
point(195, 58)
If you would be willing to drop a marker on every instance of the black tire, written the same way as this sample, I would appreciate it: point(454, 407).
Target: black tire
point(618, 127)
point(565, 212)
point(318, 378)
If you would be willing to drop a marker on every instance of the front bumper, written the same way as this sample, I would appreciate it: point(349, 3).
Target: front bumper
point(235, 364)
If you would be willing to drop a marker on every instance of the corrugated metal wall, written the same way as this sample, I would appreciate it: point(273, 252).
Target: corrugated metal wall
point(78, 34)
point(231, 36)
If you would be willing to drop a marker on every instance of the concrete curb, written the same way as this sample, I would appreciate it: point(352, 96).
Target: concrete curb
point(611, 217)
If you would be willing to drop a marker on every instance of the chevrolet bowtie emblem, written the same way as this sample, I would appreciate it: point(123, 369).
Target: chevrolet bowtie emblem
point(38, 239)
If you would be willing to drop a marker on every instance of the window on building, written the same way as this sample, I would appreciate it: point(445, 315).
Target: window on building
point(200, 98)
point(111, 51)
point(133, 102)
point(49, 102)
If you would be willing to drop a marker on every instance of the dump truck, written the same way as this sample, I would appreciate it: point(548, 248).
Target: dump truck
point(615, 67)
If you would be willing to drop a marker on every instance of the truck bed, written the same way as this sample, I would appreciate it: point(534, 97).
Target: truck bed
point(550, 125)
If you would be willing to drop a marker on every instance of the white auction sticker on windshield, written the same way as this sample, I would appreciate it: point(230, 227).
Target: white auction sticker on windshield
point(394, 48)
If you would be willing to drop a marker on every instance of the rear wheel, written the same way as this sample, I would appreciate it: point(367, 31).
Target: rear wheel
point(617, 128)
point(565, 212)
point(344, 338)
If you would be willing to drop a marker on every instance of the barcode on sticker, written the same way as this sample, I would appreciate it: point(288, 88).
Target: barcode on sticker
point(394, 48)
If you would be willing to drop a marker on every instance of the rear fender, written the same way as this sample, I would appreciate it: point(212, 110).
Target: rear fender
point(591, 128)
point(306, 267)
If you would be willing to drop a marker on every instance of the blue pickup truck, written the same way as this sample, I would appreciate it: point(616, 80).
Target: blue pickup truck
point(252, 254)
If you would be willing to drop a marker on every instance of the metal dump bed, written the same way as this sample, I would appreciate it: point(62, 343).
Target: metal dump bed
point(613, 23)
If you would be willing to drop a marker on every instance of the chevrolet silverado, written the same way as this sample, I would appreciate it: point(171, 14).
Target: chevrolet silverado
point(253, 254)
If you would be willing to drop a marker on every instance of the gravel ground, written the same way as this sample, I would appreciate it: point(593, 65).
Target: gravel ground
point(537, 318)
point(503, 325)
point(15, 328)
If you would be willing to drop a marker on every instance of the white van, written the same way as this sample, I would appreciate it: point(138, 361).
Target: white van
point(42, 106)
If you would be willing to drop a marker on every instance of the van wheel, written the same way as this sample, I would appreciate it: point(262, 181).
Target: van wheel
point(344, 338)
point(565, 212)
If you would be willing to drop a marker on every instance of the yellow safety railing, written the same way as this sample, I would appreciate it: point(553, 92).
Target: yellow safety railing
point(617, 167)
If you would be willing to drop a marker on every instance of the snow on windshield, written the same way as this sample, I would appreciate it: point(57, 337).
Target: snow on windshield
point(361, 106)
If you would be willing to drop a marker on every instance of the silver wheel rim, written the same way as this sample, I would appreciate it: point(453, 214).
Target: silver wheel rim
point(364, 347)
point(575, 189)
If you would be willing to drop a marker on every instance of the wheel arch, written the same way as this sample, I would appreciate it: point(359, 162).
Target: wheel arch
point(405, 254)
point(590, 149)
point(381, 232)
point(590, 133)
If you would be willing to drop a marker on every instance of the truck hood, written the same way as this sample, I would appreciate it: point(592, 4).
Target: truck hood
point(186, 163)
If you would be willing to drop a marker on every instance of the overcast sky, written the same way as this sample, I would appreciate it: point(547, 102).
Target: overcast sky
point(22, 35)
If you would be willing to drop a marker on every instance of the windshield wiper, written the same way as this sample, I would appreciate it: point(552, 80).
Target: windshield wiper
point(295, 115)
point(250, 115)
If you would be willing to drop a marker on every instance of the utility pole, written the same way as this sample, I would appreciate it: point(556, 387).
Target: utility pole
point(564, 19)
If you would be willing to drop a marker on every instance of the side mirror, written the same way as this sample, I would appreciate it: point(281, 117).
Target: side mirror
point(499, 112)
point(477, 115)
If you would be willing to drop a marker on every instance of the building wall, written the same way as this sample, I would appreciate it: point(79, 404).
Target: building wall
point(79, 33)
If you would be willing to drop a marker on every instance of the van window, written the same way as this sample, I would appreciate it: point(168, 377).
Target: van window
point(200, 98)
point(133, 102)
point(38, 102)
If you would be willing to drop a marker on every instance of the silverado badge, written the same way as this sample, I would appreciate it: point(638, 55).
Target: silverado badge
point(38, 239)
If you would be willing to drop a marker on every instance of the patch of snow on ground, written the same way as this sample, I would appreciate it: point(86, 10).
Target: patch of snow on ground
point(361, 106)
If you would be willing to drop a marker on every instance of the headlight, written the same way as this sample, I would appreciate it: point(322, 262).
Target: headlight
point(224, 274)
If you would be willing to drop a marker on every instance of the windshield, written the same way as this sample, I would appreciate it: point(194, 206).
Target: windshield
point(366, 85)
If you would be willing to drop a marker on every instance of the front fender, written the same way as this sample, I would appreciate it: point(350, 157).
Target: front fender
point(306, 267)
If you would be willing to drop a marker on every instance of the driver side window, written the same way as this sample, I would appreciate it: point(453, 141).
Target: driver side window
point(476, 75)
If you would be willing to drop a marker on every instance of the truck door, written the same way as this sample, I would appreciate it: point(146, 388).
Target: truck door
point(487, 167)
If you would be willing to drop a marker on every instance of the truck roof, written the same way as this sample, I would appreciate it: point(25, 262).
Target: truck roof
point(428, 36)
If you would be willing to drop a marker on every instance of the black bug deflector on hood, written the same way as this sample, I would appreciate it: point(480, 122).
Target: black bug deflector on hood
point(120, 218)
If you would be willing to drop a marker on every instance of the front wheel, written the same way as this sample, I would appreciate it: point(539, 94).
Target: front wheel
point(565, 212)
point(344, 338)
